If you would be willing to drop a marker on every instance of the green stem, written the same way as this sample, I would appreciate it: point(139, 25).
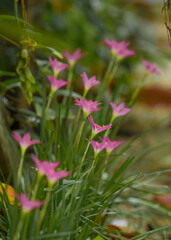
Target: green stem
point(109, 68)
point(43, 212)
point(77, 139)
point(70, 75)
point(108, 82)
point(100, 181)
point(92, 166)
point(26, 226)
point(137, 90)
point(48, 103)
point(16, 11)
point(19, 227)
point(83, 158)
point(76, 120)
point(111, 121)
point(24, 12)
point(21, 164)
point(39, 176)
point(108, 71)
point(79, 112)
point(81, 164)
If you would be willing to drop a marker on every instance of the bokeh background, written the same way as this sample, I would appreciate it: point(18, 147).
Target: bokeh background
point(69, 24)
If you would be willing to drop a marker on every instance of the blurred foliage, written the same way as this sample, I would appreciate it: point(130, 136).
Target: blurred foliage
point(83, 23)
point(56, 25)
point(48, 27)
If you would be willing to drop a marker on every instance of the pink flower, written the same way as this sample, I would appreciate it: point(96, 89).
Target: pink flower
point(88, 107)
point(119, 110)
point(98, 147)
point(151, 68)
point(110, 145)
point(119, 49)
point(73, 58)
point(56, 84)
point(24, 141)
point(89, 83)
point(26, 204)
point(44, 166)
point(96, 128)
point(56, 66)
point(48, 169)
point(53, 176)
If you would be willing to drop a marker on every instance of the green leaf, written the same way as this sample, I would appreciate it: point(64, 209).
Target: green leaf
point(54, 51)
point(67, 93)
point(51, 113)
point(10, 30)
point(9, 84)
point(98, 238)
point(7, 74)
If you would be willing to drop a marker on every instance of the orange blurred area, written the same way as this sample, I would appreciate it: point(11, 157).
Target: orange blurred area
point(165, 200)
point(155, 96)
point(9, 192)
point(121, 233)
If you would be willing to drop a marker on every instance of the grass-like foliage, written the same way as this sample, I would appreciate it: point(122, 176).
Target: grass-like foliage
point(77, 176)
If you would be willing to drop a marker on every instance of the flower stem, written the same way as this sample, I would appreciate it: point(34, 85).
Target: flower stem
point(83, 158)
point(137, 90)
point(24, 11)
point(39, 176)
point(104, 81)
point(43, 212)
point(79, 111)
point(99, 183)
point(19, 226)
point(26, 226)
point(92, 166)
point(81, 164)
point(111, 121)
point(113, 72)
point(16, 11)
point(70, 75)
point(48, 103)
point(109, 69)
point(21, 164)
point(77, 140)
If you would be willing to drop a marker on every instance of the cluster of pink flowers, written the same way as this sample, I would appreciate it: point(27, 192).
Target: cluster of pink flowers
point(59, 67)
point(110, 145)
point(48, 169)
point(105, 144)
point(44, 167)
point(120, 49)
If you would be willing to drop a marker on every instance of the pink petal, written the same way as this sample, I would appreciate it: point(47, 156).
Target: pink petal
point(17, 137)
